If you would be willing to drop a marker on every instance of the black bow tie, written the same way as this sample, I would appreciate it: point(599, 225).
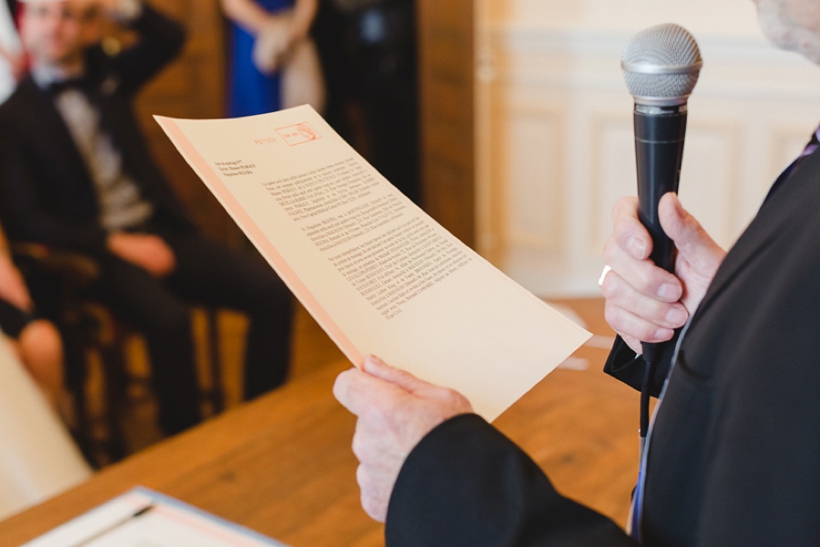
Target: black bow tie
point(56, 88)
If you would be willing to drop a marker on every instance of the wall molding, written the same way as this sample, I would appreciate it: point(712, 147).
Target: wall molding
point(748, 114)
point(591, 58)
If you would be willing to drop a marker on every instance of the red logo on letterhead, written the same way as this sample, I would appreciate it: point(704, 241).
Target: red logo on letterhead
point(298, 134)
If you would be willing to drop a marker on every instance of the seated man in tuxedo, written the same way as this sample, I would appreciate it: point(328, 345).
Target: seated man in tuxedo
point(76, 174)
point(732, 456)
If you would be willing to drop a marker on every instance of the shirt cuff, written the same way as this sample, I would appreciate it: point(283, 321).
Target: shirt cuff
point(127, 10)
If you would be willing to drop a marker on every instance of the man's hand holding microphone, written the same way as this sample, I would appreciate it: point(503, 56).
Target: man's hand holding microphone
point(643, 301)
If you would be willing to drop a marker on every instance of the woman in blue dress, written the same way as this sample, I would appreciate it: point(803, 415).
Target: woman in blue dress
point(263, 32)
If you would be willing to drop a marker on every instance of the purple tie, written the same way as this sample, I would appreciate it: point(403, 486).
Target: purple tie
point(813, 145)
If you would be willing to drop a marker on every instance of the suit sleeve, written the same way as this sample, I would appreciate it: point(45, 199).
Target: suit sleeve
point(25, 219)
point(160, 41)
point(466, 484)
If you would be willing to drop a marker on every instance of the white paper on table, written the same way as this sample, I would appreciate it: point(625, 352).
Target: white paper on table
point(377, 273)
point(163, 522)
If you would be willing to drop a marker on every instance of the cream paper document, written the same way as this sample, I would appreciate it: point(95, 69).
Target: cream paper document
point(376, 272)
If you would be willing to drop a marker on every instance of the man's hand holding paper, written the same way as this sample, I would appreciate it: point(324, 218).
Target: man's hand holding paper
point(644, 302)
point(395, 411)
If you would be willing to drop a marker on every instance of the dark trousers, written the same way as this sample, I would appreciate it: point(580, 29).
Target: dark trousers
point(209, 274)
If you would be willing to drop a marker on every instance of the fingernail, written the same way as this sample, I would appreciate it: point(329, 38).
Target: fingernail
point(678, 206)
point(637, 247)
point(664, 334)
point(669, 292)
point(676, 317)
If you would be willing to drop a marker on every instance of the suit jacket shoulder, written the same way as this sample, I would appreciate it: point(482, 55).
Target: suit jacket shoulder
point(732, 459)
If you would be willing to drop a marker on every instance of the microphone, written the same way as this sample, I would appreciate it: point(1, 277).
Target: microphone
point(661, 67)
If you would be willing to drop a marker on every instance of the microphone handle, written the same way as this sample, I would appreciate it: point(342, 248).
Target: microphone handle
point(659, 136)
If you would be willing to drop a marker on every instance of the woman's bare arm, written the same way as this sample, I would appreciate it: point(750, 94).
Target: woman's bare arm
point(303, 15)
point(247, 14)
point(253, 18)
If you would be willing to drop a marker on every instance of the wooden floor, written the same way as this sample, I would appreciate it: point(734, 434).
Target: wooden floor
point(584, 434)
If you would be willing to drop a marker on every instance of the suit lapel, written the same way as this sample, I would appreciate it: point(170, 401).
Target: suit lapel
point(48, 127)
point(766, 228)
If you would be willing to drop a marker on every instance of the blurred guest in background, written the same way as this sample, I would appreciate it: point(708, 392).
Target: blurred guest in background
point(36, 341)
point(273, 62)
point(368, 52)
point(76, 174)
point(12, 61)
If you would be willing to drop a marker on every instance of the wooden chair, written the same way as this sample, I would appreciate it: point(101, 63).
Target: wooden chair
point(95, 341)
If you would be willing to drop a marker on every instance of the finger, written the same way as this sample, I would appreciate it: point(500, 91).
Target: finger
point(628, 324)
point(167, 263)
point(17, 299)
point(15, 292)
point(348, 391)
point(168, 255)
point(620, 294)
point(376, 439)
point(409, 383)
point(26, 303)
point(378, 368)
point(632, 342)
point(644, 276)
point(414, 386)
point(373, 509)
point(361, 445)
point(359, 391)
point(630, 234)
point(376, 487)
point(691, 240)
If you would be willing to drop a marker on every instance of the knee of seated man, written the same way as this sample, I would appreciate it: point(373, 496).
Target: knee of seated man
point(272, 298)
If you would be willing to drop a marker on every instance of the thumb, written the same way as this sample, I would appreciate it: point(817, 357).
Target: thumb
point(378, 368)
point(691, 240)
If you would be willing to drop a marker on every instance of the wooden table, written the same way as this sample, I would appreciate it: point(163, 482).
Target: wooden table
point(282, 465)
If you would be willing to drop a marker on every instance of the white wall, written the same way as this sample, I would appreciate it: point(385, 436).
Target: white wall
point(555, 127)
point(718, 16)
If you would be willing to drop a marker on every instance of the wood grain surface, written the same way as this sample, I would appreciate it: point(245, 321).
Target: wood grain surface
point(282, 464)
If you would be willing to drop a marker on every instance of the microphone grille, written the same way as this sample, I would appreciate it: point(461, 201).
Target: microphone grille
point(666, 45)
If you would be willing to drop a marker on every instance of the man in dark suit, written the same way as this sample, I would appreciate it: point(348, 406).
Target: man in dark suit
point(733, 452)
point(76, 173)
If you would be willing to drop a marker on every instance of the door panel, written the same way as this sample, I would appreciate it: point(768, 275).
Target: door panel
point(446, 59)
